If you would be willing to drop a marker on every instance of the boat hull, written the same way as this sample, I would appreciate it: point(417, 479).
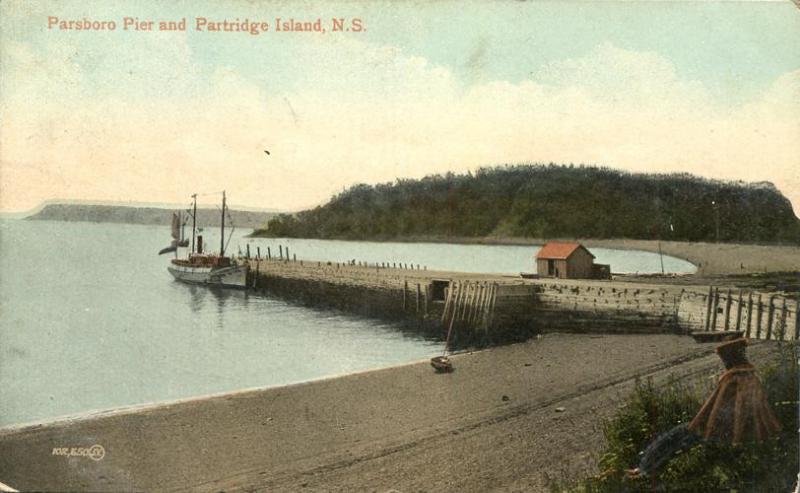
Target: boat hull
point(234, 276)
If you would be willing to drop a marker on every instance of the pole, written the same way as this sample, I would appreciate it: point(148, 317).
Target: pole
point(194, 219)
point(222, 228)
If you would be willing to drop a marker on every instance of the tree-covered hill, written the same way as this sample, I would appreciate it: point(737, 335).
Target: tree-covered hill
point(551, 201)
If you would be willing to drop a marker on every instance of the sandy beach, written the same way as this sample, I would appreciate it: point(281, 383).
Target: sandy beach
point(493, 424)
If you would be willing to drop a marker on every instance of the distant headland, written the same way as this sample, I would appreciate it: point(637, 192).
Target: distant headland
point(98, 213)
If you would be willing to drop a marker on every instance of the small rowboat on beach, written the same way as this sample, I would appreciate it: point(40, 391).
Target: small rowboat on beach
point(441, 364)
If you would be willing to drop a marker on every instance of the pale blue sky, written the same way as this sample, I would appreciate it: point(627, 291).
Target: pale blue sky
point(719, 65)
point(735, 48)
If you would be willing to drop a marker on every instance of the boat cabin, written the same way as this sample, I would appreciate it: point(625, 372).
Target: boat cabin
point(203, 260)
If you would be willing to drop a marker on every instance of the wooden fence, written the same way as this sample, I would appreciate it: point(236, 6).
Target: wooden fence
point(772, 316)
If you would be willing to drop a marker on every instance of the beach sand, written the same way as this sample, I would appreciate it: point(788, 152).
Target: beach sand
point(492, 424)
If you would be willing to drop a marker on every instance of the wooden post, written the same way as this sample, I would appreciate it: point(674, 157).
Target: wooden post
point(463, 299)
point(280, 251)
point(287, 253)
point(797, 319)
point(419, 295)
point(463, 286)
point(473, 302)
point(255, 278)
point(739, 311)
point(714, 312)
point(491, 305)
point(447, 301)
point(782, 330)
point(758, 318)
point(770, 316)
point(467, 297)
point(728, 310)
point(708, 307)
point(485, 308)
point(452, 294)
point(248, 251)
point(294, 257)
point(749, 311)
point(269, 253)
point(476, 310)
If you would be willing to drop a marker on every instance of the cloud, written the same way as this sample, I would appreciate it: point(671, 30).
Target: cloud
point(360, 112)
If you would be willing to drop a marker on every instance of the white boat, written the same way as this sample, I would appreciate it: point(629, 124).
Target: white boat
point(211, 269)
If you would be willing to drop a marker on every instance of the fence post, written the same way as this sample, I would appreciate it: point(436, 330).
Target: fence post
point(758, 318)
point(739, 311)
point(782, 330)
point(797, 319)
point(770, 316)
point(728, 310)
point(714, 311)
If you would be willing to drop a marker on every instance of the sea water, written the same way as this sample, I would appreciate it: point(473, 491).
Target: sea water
point(90, 319)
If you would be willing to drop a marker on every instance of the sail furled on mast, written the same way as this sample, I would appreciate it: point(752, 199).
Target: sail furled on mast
point(177, 234)
point(176, 226)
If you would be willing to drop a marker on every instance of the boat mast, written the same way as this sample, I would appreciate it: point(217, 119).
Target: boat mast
point(194, 219)
point(222, 228)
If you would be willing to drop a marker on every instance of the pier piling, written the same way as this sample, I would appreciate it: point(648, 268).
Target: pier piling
point(759, 311)
point(770, 316)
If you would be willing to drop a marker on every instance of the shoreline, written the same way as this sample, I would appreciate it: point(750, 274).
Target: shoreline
point(377, 429)
point(69, 419)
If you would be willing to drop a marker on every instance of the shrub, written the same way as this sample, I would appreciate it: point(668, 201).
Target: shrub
point(651, 410)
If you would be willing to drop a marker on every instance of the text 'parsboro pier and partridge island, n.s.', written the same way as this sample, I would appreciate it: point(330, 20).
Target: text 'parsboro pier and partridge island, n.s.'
point(209, 25)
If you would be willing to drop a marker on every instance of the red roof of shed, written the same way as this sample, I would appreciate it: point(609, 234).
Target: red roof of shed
point(559, 250)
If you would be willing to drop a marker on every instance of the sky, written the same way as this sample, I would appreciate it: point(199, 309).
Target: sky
point(709, 88)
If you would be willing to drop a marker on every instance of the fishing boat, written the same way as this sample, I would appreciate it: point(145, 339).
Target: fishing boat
point(198, 267)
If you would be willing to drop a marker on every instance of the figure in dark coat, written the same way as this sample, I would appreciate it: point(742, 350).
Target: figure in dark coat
point(737, 411)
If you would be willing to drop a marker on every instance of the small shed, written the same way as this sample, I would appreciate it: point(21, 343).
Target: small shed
point(565, 260)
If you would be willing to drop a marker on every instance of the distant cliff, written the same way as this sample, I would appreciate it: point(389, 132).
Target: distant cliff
point(143, 215)
point(551, 201)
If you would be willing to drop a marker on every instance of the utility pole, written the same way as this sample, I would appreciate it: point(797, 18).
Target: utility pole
point(716, 216)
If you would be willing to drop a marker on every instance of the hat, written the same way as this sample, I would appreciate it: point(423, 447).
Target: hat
point(732, 353)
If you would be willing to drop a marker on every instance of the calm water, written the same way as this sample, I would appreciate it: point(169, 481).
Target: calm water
point(462, 258)
point(90, 319)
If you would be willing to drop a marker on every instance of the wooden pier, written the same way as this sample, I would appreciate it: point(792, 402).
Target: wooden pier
point(488, 308)
point(480, 308)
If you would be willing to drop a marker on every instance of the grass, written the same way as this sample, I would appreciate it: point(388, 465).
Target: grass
point(650, 410)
